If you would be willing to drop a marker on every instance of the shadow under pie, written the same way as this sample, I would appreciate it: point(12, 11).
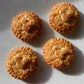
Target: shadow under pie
point(42, 74)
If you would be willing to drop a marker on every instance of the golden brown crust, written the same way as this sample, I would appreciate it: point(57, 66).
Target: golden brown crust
point(26, 26)
point(64, 17)
point(58, 53)
point(21, 62)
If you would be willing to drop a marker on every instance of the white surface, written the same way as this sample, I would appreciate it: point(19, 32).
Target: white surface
point(45, 74)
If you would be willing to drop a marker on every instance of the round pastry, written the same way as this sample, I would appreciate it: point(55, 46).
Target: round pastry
point(26, 26)
point(64, 17)
point(58, 53)
point(21, 62)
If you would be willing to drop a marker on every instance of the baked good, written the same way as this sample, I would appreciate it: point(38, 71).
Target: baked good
point(58, 53)
point(64, 17)
point(22, 62)
point(26, 26)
